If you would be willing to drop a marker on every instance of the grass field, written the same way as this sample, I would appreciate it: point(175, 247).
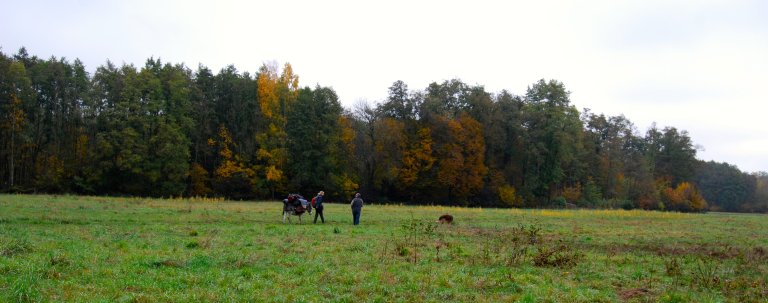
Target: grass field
point(103, 249)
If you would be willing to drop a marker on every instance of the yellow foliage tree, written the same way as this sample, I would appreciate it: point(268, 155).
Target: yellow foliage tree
point(461, 166)
point(417, 159)
point(199, 181)
point(572, 194)
point(232, 176)
point(275, 95)
point(288, 84)
point(684, 197)
point(508, 195)
point(691, 196)
point(266, 90)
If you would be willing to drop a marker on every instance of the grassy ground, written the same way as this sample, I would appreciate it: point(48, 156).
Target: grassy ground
point(99, 249)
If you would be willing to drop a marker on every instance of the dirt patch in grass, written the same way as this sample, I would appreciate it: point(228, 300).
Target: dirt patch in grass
point(627, 294)
point(757, 254)
point(240, 263)
point(721, 252)
point(715, 250)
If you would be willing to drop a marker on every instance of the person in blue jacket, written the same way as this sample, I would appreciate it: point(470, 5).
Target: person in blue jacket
point(319, 206)
point(357, 208)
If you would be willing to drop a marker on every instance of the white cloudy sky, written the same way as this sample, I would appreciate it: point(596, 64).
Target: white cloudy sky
point(699, 65)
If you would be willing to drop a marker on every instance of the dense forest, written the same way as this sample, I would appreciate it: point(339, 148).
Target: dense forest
point(165, 130)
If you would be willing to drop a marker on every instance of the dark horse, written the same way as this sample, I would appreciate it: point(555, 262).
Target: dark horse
point(446, 218)
point(295, 205)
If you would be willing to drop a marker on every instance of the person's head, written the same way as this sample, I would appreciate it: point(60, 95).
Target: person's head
point(357, 195)
point(321, 193)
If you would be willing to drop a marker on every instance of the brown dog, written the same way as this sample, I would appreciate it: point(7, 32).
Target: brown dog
point(446, 218)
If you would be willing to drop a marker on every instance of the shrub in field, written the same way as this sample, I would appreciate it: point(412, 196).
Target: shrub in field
point(416, 234)
point(559, 255)
point(706, 274)
point(516, 254)
point(526, 233)
point(517, 242)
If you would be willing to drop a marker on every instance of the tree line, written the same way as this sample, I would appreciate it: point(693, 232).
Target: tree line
point(165, 130)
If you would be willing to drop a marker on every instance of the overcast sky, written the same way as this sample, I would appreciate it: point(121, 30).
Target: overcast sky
point(699, 65)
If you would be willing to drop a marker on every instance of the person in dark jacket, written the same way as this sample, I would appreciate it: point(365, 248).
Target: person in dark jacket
point(357, 207)
point(319, 206)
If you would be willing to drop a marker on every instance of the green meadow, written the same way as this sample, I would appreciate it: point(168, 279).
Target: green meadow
point(105, 249)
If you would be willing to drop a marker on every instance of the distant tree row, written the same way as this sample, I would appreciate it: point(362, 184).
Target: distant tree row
point(164, 130)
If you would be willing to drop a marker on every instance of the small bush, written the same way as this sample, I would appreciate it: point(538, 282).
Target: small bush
point(560, 255)
point(531, 234)
point(706, 274)
point(516, 255)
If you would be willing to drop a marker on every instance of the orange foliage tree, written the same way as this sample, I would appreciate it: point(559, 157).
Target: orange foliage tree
point(460, 161)
point(684, 197)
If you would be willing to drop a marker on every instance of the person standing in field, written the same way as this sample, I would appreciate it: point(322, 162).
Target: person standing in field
point(319, 206)
point(357, 207)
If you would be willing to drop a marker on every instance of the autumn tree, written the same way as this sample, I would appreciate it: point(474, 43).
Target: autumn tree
point(164, 130)
point(684, 197)
point(460, 153)
point(275, 93)
point(232, 178)
point(417, 161)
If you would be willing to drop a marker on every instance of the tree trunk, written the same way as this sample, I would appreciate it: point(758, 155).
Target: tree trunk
point(13, 138)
